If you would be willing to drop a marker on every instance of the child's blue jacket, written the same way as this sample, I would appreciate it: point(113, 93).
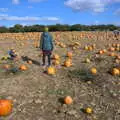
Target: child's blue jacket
point(46, 42)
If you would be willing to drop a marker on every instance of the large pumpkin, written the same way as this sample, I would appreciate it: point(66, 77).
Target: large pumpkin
point(5, 107)
point(51, 70)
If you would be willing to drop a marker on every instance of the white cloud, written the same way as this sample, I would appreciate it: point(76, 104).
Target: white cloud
point(30, 7)
point(117, 12)
point(3, 9)
point(35, 0)
point(89, 5)
point(16, 1)
point(27, 18)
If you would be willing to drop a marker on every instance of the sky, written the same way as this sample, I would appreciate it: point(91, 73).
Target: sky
point(47, 12)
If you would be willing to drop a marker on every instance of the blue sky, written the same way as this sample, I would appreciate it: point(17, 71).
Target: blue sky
point(29, 12)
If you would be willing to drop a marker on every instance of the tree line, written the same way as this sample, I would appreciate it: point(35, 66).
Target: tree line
point(58, 27)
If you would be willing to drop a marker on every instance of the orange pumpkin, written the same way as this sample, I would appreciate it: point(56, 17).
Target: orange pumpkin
point(56, 56)
point(69, 54)
point(5, 107)
point(56, 62)
point(68, 100)
point(101, 52)
point(51, 70)
point(6, 66)
point(93, 70)
point(29, 62)
point(112, 49)
point(115, 71)
point(112, 54)
point(67, 63)
point(90, 48)
point(86, 47)
point(23, 67)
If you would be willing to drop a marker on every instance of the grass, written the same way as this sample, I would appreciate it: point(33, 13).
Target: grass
point(81, 74)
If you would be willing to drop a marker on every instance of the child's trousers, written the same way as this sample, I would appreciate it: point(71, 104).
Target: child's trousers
point(48, 55)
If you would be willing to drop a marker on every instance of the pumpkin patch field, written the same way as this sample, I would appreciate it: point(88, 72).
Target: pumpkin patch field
point(83, 82)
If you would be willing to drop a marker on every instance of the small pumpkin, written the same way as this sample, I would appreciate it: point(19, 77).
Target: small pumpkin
point(23, 67)
point(115, 71)
point(87, 60)
point(68, 100)
point(56, 62)
point(69, 54)
point(5, 107)
point(86, 47)
point(90, 48)
point(101, 52)
point(6, 66)
point(112, 49)
point(93, 71)
point(88, 110)
point(67, 63)
point(56, 56)
point(29, 62)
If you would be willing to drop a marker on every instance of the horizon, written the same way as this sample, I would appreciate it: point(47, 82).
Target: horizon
point(51, 12)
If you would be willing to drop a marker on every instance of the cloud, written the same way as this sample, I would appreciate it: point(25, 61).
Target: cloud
point(89, 5)
point(3, 9)
point(16, 1)
point(117, 12)
point(36, 0)
point(27, 18)
point(30, 7)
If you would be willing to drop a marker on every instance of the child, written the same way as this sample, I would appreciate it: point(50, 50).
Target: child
point(13, 54)
point(46, 46)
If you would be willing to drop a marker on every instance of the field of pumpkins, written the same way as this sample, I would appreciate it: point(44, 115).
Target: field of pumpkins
point(83, 82)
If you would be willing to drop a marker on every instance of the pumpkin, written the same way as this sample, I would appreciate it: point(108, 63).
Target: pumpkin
point(56, 56)
point(23, 67)
point(118, 56)
point(90, 48)
point(6, 66)
point(113, 45)
point(117, 49)
point(93, 70)
point(112, 54)
point(94, 46)
point(87, 60)
point(51, 70)
point(117, 61)
point(115, 71)
point(67, 63)
point(86, 47)
point(104, 50)
point(69, 54)
point(5, 107)
point(56, 62)
point(68, 100)
point(101, 52)
point(112, 49)
point(29, 62)
point(77, 43)
point(118, 45)
point(88, 110)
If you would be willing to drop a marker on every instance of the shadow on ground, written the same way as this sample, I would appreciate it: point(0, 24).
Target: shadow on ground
point(26, 58)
